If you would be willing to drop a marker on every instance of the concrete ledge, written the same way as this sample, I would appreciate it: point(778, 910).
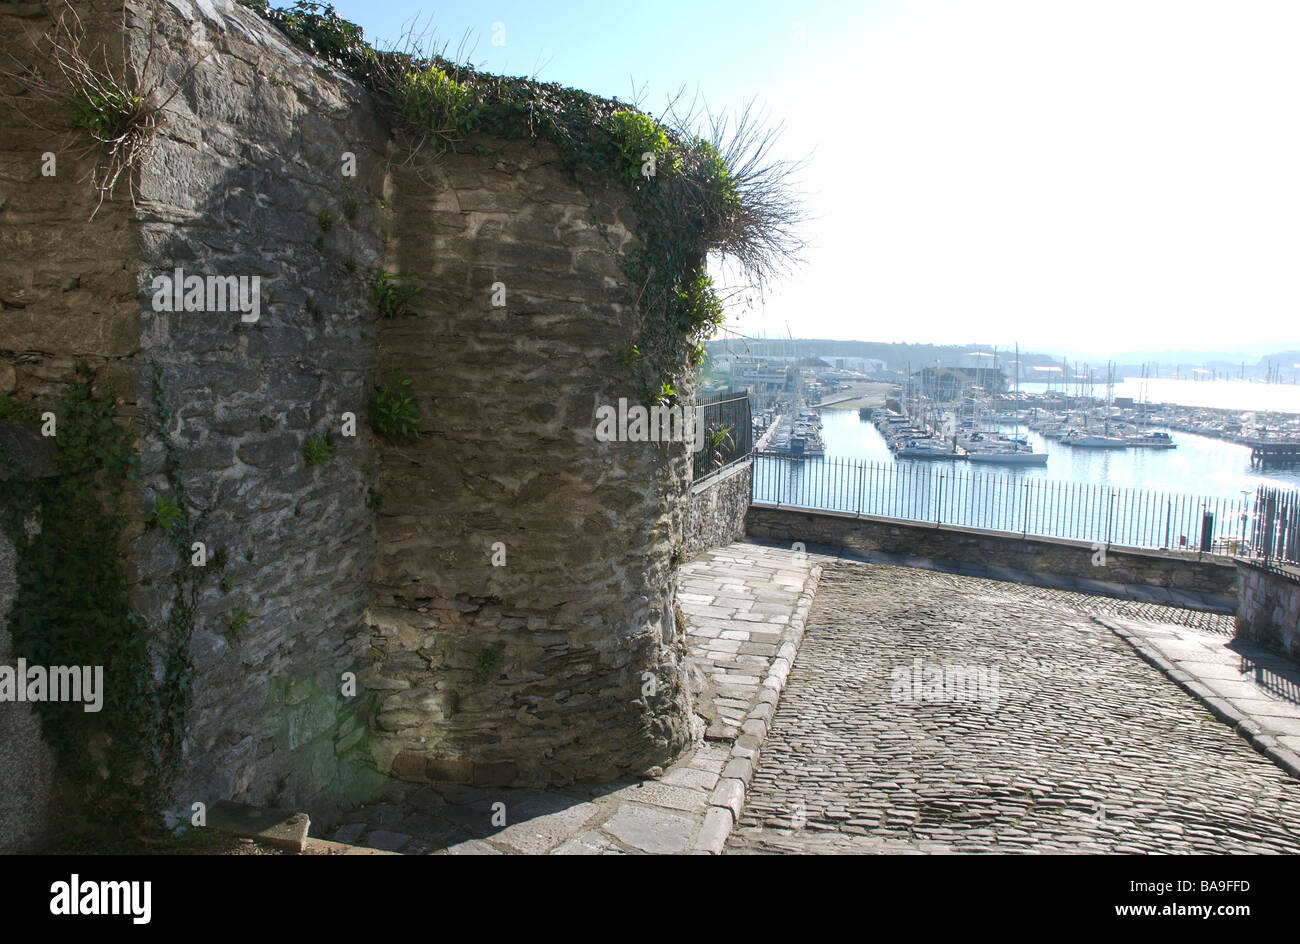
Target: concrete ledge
point(717, 478)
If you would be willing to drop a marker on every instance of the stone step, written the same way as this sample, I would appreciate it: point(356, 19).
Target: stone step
point(280, 828)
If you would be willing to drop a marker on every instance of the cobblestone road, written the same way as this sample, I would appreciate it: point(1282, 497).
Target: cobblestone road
point(1092, 605)
point(1075, 745)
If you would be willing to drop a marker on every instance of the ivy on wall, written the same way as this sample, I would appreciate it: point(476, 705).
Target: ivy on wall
point(72, 608)
point(171, 692)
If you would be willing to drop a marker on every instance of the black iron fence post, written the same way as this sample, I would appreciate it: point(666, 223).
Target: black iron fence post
point(862, 468)
point(1110, 513)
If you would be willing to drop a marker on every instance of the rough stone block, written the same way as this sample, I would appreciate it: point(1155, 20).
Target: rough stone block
point(280, 828)
point(717, 827)
point(494, 774)
point(730, 794)
point(408, 766)
point(446, 770)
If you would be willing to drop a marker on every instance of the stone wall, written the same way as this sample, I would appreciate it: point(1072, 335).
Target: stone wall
point(1176, 571)
point(527, 672)
point(716, 515)
point(27, 767)
point(248, 180)
point(67, 293)
point(1268, 606)
point(67, 282)
point(28, 771)
point(524, 581)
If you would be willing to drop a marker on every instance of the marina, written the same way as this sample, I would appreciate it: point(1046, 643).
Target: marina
point(1199, 463)
point(1169, 447)
point(795, 433)
point(1143, 486)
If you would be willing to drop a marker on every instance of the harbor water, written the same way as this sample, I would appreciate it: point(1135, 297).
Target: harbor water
point(1200, 465)
point(1135, 496)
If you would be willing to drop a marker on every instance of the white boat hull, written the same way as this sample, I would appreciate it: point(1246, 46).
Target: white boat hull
point(1009, 458)
point(912, 453)
point(1096, 442)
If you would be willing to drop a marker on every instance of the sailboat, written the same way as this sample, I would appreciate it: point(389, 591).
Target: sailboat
point(1094, 442)
point(997, 449)
point(1106, 441)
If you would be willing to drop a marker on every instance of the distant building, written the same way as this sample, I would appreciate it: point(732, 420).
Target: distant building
point(949, 383)
point(866, 365)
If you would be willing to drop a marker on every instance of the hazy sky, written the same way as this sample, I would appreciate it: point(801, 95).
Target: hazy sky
point(1092, 177)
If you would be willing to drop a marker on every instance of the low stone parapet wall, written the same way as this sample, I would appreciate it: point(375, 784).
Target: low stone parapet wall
point(1268, 606)
point(716, 516)
point(1188, 577)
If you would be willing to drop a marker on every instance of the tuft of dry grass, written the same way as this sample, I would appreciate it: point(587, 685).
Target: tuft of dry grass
point(119, 105)
point(760, 231)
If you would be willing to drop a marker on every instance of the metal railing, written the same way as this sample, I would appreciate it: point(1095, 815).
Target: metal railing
point(1276, 537)
point(942, 494)
point(728, 432)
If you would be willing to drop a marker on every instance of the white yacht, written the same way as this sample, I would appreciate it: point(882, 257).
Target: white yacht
point(1152, 440)
point(1086, 441)
point(990, 447)
point(922, 449)
point(1002, 456)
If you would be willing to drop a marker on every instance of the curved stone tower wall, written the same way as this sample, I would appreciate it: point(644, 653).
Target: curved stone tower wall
point(564, 663)
point(524, 582)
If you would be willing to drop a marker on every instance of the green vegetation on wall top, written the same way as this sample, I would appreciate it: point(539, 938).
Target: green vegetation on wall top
point(695, 196)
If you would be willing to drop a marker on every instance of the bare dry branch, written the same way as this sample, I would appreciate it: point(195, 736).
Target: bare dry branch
point(763, 236)
point(116, 105)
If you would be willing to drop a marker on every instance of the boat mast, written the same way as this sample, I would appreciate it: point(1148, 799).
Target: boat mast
point(1110, 391)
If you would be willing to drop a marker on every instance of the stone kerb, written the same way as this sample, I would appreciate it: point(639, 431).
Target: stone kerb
point(728, 797)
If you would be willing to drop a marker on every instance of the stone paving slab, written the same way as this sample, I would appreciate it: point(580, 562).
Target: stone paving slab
point(663, 815)
point(745, 607)
point(1254, 689)
point(752, 590)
